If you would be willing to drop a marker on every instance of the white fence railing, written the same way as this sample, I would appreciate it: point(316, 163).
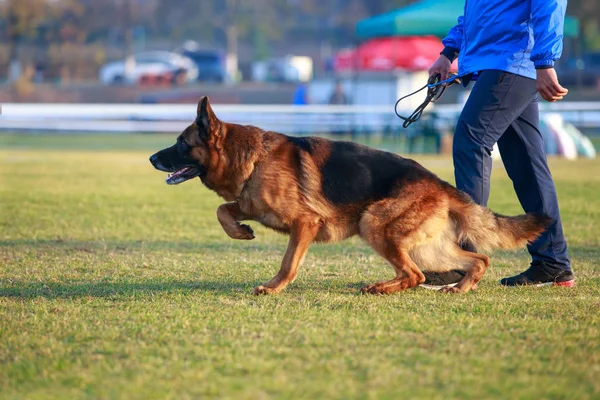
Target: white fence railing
point(281, 118)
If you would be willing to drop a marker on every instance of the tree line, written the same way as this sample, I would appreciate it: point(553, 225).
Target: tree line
point(113, 28)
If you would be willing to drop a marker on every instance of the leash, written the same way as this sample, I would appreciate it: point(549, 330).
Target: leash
point(435, 91)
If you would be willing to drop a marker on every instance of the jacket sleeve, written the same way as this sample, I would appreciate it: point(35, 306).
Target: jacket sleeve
point(453, 41)
point(548, 20)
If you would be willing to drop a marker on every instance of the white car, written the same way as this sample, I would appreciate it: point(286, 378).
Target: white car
point(147, 63)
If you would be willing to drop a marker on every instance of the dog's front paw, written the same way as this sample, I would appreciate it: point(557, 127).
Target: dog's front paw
point(370, 289)
point(259, 290)
point(241, 232)
point(248, 233)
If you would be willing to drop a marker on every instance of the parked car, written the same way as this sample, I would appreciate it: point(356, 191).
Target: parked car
point(210, 63)
point(283, 69)
point(148, 63)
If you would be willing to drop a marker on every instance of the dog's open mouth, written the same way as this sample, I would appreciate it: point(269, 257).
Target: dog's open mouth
point(182, 175)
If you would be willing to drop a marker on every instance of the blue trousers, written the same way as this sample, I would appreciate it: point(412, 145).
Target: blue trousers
point(503, 108)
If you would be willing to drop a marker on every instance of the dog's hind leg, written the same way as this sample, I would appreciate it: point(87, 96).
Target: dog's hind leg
point(228, 215)
point(393, 226)
point(475, 265)
point(408, 274)
point(443, 253)
point(302, 235)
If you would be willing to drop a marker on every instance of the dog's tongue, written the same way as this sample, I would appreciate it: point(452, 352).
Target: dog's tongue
point(176, 177)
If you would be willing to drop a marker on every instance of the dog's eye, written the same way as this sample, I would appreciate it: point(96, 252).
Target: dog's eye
point(183, 146)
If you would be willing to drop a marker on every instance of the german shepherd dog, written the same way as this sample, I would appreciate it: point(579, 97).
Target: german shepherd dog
point(317, 190)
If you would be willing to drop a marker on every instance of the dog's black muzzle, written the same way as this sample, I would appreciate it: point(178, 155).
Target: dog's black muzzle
point(175, 160)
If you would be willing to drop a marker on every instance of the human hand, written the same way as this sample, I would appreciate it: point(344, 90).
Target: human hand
point(548, 86)
point(441, 66)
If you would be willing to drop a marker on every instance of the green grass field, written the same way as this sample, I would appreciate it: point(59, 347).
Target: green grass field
point(115, 285)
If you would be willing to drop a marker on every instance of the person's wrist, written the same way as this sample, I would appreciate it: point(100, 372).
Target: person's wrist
point(450, 53)
point(544, 71)
point(544, 64)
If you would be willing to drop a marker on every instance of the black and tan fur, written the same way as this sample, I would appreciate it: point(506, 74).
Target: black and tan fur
point(318, 190)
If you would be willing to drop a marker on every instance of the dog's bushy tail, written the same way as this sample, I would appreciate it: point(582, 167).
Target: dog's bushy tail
point(487, 230)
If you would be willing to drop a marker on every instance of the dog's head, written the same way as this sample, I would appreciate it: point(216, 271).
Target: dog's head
point(189, 157)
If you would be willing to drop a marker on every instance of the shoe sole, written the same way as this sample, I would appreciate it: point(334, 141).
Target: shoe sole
point(570, 283)
point(436, 287)
point(440, 287)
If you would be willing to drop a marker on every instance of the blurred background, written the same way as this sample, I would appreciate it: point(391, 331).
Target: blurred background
point(325, 67)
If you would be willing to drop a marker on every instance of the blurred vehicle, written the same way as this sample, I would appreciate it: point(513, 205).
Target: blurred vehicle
point(584, 70)
point(210, 63)
point(283, 69)
point(149, 63)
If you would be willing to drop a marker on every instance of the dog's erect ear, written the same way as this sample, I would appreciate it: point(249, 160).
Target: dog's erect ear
point(206, 119)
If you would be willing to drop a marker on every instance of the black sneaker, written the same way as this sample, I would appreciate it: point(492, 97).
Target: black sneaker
point(437, 280)
point(541, 274)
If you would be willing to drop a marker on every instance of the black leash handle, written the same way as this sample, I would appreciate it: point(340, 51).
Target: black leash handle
point(434, 93)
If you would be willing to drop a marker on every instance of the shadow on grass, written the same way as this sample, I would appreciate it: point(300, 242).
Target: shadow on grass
point(224, 245)
point(53, 290)
point(125, 246)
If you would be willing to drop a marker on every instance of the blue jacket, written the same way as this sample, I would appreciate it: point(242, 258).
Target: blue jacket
point(516, 36)
point(300, 95)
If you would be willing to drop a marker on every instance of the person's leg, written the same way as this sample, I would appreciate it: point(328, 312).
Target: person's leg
point(522, 151)
point(497, 99)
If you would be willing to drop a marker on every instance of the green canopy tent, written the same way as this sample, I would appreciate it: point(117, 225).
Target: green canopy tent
point(426, 17)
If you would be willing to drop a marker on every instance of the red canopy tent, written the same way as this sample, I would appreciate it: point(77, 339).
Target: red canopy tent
point(412, 53)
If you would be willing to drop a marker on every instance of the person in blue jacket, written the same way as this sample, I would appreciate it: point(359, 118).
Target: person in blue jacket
point(300, 96)
point(509, 48)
